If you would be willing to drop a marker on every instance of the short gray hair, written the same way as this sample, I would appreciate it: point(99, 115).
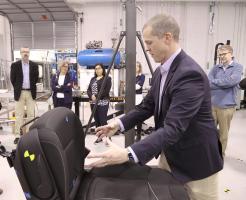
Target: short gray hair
point(24, 47)
point(226, 47)
point(161, 24)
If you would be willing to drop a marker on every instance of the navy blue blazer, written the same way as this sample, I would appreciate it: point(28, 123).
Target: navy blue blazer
point(184, 129)
point(66, 88)
point(16, 77)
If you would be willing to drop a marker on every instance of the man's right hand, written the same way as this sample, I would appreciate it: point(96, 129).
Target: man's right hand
point(108, 130)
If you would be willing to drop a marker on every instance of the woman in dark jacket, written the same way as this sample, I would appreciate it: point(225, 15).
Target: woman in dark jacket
point(95, 85)
point(140, 78)
point(61, 85)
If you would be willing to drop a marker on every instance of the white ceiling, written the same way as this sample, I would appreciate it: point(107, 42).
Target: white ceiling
point(36, 10)
point(100, 1)
point(58, 10)
point(78, 5)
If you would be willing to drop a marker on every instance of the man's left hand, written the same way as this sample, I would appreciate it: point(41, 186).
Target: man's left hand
point(114, 155)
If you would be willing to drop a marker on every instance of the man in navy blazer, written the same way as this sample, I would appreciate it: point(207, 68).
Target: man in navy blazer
point(24, 76)
point(185, 134)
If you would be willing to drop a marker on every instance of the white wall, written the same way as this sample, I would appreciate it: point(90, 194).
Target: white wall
point(5, 42)
point(99, 21)
point(101, 18)
point(38, 55)
point(5, 53)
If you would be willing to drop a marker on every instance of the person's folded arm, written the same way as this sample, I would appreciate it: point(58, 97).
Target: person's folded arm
point(141, 80)
point(66, 87)
point(211, 77)
point(231, 80)
point(213, 86)
point(54, 85)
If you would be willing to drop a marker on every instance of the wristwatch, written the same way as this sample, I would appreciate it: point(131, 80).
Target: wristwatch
point(130, 156)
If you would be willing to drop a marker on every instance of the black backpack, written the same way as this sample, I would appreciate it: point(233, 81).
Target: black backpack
point(242, 84)
point(49, 163)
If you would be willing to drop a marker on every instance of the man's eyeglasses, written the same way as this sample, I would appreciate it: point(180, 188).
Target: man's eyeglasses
point(223, 54)
point(24, 51)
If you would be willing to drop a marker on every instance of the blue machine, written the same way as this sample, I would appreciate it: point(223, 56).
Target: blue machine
point(90, 57)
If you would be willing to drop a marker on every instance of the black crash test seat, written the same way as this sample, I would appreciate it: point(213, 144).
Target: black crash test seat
point(49, 163)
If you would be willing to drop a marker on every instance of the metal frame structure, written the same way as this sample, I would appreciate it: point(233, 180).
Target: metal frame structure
point(131, 35)
point(130, 64)
point(36, 10)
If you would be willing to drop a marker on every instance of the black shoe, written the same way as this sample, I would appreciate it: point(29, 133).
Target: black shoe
point(16, 140)
point(92, 131)
point(98, 140)
point(1, 191)
point(117, 133)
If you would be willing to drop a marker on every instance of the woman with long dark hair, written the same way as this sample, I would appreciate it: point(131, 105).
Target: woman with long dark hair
point(95, 85)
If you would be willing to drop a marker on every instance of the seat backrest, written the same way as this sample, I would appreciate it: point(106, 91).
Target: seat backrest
point(54, 149)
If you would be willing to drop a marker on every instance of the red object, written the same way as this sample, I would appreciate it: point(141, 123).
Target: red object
point(44, 17)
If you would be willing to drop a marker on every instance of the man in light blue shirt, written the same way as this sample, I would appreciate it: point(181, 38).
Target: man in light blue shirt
point(224, 79)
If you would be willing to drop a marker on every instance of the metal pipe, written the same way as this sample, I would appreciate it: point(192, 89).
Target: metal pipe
point(104, 82)
point(130, 64)
point(145, 53)
point(215, 52)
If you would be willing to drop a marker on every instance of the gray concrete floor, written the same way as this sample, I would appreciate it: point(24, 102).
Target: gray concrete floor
point(232, 178)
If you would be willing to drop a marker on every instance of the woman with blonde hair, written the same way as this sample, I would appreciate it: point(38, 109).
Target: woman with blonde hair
point(61, 85)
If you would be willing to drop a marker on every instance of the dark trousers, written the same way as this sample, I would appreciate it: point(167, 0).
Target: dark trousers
point(61, 103)
point(100, 115)
point(139, 131)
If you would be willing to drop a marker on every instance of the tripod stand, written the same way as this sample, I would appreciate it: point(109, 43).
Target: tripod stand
point(122, 35)
point(130, 33)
